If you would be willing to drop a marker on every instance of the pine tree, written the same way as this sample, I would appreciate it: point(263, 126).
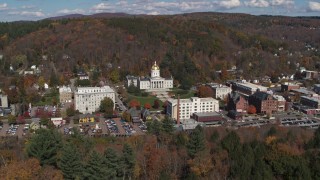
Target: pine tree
point(112, 162)
point(44, 146)
point(196, 142)
point(70, 162)
point(127, 161)
point(167, 125)
point(95, 168)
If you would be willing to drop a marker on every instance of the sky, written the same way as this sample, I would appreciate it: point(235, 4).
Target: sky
point(15, 10)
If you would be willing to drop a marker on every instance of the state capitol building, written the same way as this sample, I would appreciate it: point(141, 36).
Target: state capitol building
point(155, 82)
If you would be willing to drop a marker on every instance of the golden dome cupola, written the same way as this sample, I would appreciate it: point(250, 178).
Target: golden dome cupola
point(155, 66)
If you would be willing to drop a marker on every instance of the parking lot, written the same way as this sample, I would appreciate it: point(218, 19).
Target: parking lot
point(300, 122)
point(14, 130)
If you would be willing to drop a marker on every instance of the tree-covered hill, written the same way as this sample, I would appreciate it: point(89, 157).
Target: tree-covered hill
point(188, 46)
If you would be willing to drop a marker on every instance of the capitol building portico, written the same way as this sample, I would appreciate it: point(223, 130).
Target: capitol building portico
point(153, 83)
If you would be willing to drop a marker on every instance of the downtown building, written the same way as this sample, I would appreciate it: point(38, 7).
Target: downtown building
point(88, 99)
point(187, 107)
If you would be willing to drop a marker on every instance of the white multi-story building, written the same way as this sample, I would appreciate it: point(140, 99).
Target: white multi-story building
point(219, 90)
point(65, 94)
point(88, 99)
point(155, 82)
point(189, 106)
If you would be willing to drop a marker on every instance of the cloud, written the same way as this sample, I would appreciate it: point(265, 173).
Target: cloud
point(257, 3)
point(71, 11)
point(38, 14)
point(27, 7)
point(229, 4)
point(3, 6)
point(101, 7)
point(282, 2)
point(314, 6)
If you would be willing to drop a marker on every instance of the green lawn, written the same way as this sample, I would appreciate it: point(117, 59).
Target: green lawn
point(149, 99)
point(184, 94)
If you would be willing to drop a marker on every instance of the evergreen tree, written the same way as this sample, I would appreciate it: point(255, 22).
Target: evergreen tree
point(167, 125)
point(70, 162)
point(112, 162)
point(95, 168)
point(44, 146)
point(127, 161)
point(196, 142)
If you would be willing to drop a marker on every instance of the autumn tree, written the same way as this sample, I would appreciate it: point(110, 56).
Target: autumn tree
point(115, 76)
point(70, 162)
point(134, 103)
point(11, 119)
point(147, 106)
point(41, 82)
point(28, 169)
point(70, 111)
point(156, 104)
point(106, 106)
point(252, 109)
point(205, 91)
point(44, 146)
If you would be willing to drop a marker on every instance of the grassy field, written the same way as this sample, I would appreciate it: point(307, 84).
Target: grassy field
point(143, 100)
point(184, 94)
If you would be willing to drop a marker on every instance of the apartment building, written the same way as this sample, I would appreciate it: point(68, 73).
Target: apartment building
point(88, 99)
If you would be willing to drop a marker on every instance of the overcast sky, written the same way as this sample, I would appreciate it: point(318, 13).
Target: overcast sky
point(12, 10)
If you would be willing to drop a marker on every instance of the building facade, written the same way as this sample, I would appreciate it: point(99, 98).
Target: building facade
point(248, 88)
point(289, 86)
point(219, 91)
point(3, 100)
point(65, 94)
point(313, 102)
point(189, 106)
point(264, 102)
point(88, 99)
point(154, 82)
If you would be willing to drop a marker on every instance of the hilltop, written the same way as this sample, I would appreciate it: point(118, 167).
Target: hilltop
point(187, 46)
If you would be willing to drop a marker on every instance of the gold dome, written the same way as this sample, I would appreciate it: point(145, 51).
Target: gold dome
point(155, 66)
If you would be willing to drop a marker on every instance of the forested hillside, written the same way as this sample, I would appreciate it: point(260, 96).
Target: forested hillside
point(189, 47)
point(210, 153)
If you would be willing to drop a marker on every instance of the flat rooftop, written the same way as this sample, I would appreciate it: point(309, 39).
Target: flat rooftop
point(206, 114)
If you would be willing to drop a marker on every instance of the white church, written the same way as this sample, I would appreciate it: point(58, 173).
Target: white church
point(155, 82)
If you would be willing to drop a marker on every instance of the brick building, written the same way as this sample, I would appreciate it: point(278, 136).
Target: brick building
point(289, 86)
point(264, 102)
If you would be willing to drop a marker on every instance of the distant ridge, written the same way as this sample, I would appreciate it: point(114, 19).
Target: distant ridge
point(98, 15)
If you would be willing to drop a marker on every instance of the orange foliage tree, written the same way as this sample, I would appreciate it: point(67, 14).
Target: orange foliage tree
point(205, 91)
point(134, 103)
point(147, 106)
point(252, 109)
